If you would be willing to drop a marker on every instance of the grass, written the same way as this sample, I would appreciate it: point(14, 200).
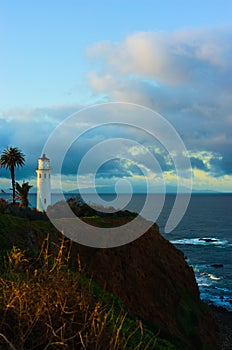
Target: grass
point(45, 304)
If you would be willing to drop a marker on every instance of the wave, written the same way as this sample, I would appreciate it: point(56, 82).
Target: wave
point(214, 278)
point(201, 241)
point(205, 279)
point(211, 290)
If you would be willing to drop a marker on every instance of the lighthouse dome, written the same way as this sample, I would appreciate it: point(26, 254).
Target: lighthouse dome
point(43, 163)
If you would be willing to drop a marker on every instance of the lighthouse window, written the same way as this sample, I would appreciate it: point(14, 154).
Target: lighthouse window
point(44, 200)
point(45, 176)
point(40, 176)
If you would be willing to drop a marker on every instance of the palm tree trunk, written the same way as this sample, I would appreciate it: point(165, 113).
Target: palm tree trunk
point(12, 172)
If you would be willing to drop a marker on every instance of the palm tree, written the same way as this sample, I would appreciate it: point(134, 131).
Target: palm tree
point(22, 193)
point(10, 159)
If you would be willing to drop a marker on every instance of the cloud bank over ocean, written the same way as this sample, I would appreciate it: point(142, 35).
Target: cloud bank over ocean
point(185, 75)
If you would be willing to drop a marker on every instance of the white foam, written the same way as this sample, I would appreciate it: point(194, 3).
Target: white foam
point(203, 280)
point(208, 285)
point(214, 278)
point(201, 241)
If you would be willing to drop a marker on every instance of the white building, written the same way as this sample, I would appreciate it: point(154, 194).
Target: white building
point(43, 183)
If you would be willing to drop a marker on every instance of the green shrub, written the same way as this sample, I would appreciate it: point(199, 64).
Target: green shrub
point(46, 305)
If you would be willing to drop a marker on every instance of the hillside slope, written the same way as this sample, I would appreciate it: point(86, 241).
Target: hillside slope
point(149, 275)
point(153, 280)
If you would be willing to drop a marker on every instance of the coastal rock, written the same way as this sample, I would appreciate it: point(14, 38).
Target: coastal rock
point(217, 265)
point(208, 240)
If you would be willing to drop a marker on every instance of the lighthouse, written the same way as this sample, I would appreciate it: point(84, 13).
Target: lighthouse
point(43, 183)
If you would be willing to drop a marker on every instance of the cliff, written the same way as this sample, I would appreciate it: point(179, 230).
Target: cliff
point(153, 280)
point(149, 275)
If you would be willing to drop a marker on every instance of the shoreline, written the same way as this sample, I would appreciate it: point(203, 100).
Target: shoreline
point(223, 319)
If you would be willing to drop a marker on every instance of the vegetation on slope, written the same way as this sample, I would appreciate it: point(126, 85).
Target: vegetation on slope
point(47, 304)
point(144, 291)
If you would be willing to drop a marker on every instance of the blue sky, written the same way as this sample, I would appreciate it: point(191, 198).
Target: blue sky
point(171, 56)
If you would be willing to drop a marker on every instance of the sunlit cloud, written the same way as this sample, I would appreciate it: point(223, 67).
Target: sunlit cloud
point(184, 75)
point(204, 181)
point(204, 158)
point(171, 57)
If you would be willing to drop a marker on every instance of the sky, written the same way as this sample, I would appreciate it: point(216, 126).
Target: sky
point(173, 57)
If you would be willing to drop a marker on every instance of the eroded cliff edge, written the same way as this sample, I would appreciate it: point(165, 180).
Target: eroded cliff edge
point(149, 275)
point(154, 281)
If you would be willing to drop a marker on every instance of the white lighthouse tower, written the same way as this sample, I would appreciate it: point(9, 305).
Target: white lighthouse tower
point(43, 183)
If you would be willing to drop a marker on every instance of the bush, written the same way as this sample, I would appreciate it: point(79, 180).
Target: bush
point(3, 205)
point(23, 212)
point(46, 305)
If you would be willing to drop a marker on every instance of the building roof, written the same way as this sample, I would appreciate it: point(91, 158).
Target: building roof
point(44, 157)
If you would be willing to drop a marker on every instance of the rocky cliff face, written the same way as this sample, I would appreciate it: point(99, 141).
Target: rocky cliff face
point(149, 275)
point(153, 280)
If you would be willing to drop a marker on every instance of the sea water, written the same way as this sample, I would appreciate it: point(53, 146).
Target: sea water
point(204, 235)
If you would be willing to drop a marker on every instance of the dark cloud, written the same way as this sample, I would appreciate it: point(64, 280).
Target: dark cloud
point(220, 167)
point(184, 75)
point(28, 129)
point(198, 164)
point(118, 168)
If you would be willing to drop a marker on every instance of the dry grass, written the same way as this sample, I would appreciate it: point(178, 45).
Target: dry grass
point(46, 305)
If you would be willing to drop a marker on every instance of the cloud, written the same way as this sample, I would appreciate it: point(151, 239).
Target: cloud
point(28, 129)
point(185, 75)
point(170, 57)
point(204, 181)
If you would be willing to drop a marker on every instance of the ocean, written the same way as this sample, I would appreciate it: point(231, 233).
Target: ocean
point(204, 235)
